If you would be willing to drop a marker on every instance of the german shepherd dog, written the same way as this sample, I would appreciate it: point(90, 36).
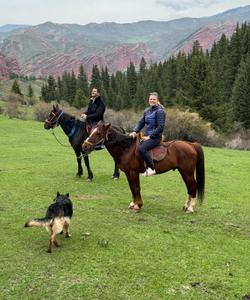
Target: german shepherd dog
point(57, 219)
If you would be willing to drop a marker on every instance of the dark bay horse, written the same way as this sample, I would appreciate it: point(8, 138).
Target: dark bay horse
point(77, 132)
point(181, 155)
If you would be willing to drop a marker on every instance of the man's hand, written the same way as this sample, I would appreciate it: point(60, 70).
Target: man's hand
point(83, 117)
point(133, 134)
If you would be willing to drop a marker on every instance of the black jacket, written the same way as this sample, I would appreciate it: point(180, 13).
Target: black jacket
point(95, 110)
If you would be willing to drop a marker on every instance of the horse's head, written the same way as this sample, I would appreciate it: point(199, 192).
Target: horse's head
point(53, 119)
point(97, 136)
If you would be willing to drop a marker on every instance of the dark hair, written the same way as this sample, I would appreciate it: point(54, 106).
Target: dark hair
point(96, 88)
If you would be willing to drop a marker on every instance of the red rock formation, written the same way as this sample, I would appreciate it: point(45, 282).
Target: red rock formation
point(208, 35)
point(7, 66)
point(55, 63)
point(119, 58)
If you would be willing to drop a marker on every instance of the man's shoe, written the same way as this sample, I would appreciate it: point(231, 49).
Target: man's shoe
point(149, 172)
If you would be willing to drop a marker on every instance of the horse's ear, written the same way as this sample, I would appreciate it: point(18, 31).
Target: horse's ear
point(58, 194)
point(100, 123)
point(108, 125)
point(57, 106)
point(67, 195)
point(54, 108)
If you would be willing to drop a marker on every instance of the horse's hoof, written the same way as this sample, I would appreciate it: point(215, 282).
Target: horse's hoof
point(79, 175)
point(189, 210)
point(131, 205)
point(115, 178)
point(89, 179)
point(185, 207)
point(136, 208)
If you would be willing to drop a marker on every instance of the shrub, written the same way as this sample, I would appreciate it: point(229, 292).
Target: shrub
point(127, 119)
point(11, 109)
point(15, 98)
point(189, 126)
point(239, 140)
point(42, 110)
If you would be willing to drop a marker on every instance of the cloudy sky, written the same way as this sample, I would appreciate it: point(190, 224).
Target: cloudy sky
point(122, 11)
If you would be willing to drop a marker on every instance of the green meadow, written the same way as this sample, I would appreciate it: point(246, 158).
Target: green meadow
point(159, 253)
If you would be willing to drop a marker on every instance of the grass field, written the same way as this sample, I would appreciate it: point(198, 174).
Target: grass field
point(159, 253)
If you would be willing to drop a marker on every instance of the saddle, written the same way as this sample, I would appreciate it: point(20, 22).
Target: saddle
point(158, 153)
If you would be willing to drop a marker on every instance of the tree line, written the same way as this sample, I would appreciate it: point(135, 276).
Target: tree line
point(215, 83)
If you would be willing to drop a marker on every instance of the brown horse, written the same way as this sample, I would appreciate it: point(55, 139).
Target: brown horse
point(181, 155)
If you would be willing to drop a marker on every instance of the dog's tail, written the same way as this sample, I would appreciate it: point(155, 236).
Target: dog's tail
point(43, 222)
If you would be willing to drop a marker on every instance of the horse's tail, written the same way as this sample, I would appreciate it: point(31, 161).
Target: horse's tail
point(200, 172)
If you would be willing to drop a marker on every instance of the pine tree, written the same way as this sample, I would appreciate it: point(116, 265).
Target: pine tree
point(51, 88)
point(66, 87)
point(72, 87)
point(82, 82)
point(143, 66)
point(59, 91)
point(16, 88)
point(241, 94)
point(80, 99)
point(95, 78)
point(30, 91)
point(132, 83)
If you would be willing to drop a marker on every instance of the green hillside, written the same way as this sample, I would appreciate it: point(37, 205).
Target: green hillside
point(5, 87)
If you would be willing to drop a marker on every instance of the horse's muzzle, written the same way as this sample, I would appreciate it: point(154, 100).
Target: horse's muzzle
point(87, 147)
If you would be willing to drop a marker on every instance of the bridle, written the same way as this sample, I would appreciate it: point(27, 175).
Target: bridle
point(101, 141)
point(53, 121)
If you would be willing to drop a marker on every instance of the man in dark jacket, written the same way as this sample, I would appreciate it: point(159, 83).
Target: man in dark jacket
point(95, 110)
point(154, 120)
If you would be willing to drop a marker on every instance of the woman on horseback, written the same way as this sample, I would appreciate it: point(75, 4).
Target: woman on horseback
point(154, 121)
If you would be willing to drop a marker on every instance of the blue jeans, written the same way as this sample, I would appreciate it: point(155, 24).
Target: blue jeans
point(145, 147)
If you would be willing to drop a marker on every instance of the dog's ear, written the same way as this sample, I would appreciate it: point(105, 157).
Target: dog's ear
point(67, 195)
point(58, 194)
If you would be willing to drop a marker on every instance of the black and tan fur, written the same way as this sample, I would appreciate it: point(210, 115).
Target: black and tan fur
point(57, 219)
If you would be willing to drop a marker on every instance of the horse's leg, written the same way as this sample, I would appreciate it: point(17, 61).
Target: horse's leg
point(79, 162)
point(90, 174)
point(116, 174)
point(134, 184)
point(191, 189)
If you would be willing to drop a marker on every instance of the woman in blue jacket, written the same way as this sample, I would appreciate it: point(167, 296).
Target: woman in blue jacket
point(154, 121)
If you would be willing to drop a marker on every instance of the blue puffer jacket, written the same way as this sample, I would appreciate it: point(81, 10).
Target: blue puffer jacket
point(154, 120)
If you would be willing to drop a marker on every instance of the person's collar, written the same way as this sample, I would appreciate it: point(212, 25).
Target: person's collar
point(94, 98)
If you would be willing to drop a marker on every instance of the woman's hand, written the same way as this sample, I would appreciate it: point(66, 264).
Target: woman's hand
point(145, 138)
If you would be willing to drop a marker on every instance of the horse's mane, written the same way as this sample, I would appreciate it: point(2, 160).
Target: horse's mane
point(116, 137)
point(73, 121)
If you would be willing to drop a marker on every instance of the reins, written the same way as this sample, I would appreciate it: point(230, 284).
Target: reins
point(53, 133)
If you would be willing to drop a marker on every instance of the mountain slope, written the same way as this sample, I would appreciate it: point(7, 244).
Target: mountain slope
point(51, 48)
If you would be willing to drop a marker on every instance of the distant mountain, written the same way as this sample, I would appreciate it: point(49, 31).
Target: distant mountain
point(10, 27)
point(51, 48)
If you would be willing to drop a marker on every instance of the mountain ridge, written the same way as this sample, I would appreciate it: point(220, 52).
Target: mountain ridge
point(51, 48)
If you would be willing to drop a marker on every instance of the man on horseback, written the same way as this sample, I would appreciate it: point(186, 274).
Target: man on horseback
point(154, 120)
point(95, 110)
